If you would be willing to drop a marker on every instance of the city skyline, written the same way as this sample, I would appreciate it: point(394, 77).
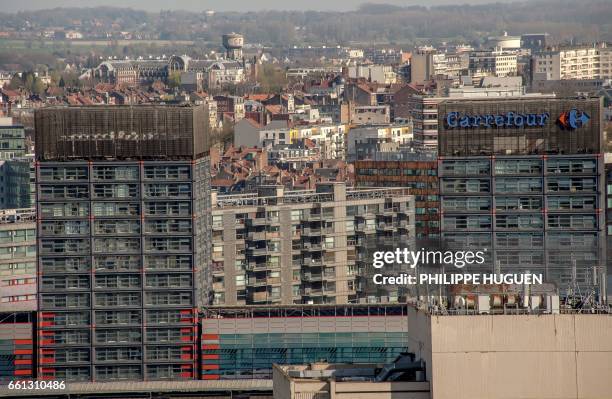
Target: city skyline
point(236, 5)
point(247, 199)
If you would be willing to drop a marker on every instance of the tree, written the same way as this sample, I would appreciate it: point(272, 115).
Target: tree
point(15, 82)
point(37, 86)
point(174, 80)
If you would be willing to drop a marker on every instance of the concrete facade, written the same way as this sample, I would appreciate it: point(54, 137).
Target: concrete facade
point(514, 356)
point(323, 381)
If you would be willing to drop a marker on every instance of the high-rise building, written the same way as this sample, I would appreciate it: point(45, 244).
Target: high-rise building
point(308, 246)
point(493, 63)
point(123, 240)
point(523, 179)
point(17, 260)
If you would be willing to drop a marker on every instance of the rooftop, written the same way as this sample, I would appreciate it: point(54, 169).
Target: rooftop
point(303, 196)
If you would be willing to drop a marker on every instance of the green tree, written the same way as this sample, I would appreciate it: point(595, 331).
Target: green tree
point(29, 81)
point(38, 86)
point(174, 80)
point(15, 82)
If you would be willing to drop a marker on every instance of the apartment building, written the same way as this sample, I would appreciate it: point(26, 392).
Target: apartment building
point(584, 62)
point(373, 73)
point(329, 139)
point(423, 111)
point(493, 62)
point(230, 105)
point(123, 240)
point(248, 133)
point(427, 63)
point(17, 260)
point(311, 246)
point(363, 141)
point(523, 179)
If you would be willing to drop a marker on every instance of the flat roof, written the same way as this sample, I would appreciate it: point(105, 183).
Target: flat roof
point(132, 387)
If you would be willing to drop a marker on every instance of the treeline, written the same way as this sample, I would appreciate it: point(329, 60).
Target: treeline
point(566, 20)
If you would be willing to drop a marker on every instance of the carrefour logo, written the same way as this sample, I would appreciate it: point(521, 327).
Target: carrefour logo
point(508, 119)
point(573, 119)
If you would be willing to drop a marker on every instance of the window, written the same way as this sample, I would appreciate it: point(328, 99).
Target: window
point(503, 203)
point(518, 166)
point(518, 185)
point(571, 203)
point(464, 204)
point(116, 209)
point(465, 186)
point(566, 166)
point(175, 172)
point(572, 221)
point(115, 173)
point(217, 220)
point(518, 221)
point(571, 184)
point(463, 168)
point(476, 222)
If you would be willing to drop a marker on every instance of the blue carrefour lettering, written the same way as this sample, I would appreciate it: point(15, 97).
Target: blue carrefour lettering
point(508, 119)
point(451, 119)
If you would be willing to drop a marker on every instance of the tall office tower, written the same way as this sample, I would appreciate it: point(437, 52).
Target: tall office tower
point(124, 209)
point(524, 178)
point(307, 246)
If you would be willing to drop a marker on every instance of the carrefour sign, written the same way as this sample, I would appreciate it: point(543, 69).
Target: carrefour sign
point(570, 120)
point(509, 119)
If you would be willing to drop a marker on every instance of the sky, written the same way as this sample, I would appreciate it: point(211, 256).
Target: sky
point(225, 5)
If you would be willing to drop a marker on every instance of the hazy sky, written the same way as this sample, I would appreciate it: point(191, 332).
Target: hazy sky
point(225, 5)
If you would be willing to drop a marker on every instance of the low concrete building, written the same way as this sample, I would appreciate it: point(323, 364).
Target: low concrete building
point(342, 381)
point(514, 355)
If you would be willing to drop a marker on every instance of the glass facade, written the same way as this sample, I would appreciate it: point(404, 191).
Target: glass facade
point(12, 142)
point(530, 213)
point(252, 355)
point(528, 190)
point(243, 343)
